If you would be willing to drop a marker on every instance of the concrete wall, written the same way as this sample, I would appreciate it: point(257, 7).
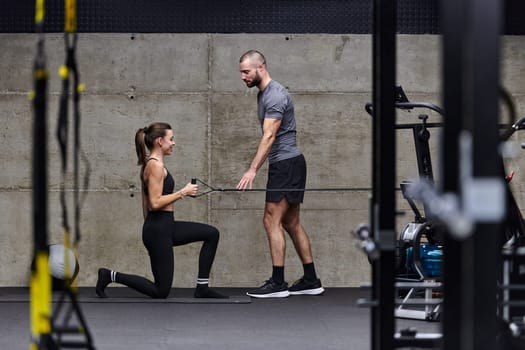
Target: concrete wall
point(192, 81)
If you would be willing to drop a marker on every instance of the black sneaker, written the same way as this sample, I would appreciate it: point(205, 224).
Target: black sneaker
point(270, 289)
point(207, 292)
point(104, 278)
point(305, 287)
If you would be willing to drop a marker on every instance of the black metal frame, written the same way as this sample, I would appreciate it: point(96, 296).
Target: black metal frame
point(481, 101)
point(453, 13)
point(383, 173)
point(471, 83)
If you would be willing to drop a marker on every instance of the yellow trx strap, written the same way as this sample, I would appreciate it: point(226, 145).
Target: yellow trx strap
point(39, 12)
point(40, 301)
point(71, 16)
point(40, 281)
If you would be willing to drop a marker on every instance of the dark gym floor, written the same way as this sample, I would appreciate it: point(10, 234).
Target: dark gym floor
point(129, 321)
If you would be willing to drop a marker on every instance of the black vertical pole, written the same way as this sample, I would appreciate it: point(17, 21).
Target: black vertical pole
point(383, 172)
point(481, 119)
point(471, 30)
point(452, 25)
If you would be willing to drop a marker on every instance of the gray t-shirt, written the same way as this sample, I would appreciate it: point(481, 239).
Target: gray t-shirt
point(275, 102)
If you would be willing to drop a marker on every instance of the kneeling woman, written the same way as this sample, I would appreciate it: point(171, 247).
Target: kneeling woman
point(160, 232)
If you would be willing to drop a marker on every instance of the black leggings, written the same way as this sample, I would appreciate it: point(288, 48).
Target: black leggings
point(160, 233)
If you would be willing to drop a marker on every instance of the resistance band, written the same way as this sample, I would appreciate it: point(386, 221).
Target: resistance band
point(211, 189)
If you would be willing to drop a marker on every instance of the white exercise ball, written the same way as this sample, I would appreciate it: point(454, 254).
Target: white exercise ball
point(57, 262)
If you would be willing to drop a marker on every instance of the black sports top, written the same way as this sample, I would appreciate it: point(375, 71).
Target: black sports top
point(168, 184)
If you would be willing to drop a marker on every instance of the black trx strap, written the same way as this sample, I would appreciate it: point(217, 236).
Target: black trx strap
point(40, 283)
point(62, 319)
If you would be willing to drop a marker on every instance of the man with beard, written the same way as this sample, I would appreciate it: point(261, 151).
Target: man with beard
point(287, 170)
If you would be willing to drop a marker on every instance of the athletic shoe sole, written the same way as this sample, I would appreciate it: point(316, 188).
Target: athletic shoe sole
point(282, 294)
point(315, 291)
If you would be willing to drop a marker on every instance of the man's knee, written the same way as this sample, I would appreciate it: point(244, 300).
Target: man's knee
point(290, 226)
point(291, 223)
point(269, 222)
point(274, 214)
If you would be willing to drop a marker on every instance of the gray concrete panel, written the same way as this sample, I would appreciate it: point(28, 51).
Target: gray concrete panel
point(109, 136)
point(512, 66)
point(16, 237)
point(314, 63)
point(145, 62)
point(15, 132)
point(335, 158)
point(419, 63)
point(113, 63)
point(192, 81)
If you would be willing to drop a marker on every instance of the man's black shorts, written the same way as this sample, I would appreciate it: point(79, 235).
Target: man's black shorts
point(287, 174)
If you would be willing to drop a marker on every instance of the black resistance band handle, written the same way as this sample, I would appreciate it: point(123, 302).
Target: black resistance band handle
point(193, 182)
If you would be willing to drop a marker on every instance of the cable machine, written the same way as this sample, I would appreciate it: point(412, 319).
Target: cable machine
point(471, 178)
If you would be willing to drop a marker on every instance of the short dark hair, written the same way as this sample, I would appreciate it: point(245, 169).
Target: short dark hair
point(253, 55)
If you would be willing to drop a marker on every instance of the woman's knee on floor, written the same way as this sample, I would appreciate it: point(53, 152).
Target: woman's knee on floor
point(163, 291)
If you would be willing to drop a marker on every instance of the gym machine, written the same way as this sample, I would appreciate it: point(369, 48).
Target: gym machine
point(471, 200)
point(415, 273)
point(511, 286)
point(419, 246)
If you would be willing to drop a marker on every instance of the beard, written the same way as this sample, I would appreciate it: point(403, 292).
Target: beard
point(255, 81)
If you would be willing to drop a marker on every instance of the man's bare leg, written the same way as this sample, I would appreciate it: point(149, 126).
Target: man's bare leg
point(309, 284)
